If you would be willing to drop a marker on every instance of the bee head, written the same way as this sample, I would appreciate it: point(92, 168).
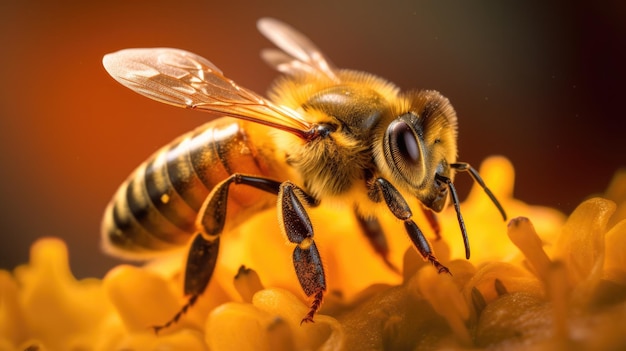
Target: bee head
point(420, 144)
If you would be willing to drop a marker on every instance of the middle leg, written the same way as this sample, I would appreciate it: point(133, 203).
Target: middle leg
point(370, 226)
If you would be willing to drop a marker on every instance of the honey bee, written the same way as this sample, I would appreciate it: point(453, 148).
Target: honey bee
point(323, 135)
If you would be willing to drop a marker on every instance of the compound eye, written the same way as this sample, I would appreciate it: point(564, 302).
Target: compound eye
point(403, 144)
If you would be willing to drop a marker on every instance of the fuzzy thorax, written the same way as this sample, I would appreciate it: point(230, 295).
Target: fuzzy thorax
point(328, 166)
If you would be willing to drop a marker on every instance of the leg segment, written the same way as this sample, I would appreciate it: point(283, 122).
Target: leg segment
point(376, 237)
point(201, 262)
point(296, 225)
point(310, 272)
point(398, 206)
point(213, 211)
point(422, 245)
point(198, 271)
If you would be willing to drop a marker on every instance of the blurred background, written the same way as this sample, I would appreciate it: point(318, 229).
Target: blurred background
point(540, 83)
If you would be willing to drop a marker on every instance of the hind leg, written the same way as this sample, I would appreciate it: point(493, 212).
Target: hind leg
point(204, 248)
point(294, 223)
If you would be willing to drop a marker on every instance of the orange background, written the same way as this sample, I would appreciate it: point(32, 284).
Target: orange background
point(541, 84)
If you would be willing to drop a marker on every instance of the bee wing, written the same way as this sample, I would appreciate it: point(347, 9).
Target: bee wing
point(184, 79)
point(298, 55)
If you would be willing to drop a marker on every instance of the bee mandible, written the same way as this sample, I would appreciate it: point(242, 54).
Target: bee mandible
point(323, 135)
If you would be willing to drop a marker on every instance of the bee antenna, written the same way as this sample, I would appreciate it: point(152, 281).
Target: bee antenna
point(457, 208)
point(465, 167)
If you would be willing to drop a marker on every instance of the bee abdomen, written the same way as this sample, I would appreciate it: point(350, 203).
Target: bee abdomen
point(157, 207)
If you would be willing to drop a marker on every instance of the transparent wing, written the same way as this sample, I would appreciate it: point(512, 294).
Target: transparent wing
point(184, 79)
point(298, 55)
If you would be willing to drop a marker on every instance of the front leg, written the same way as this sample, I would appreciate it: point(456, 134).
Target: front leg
point(297, 227)
point(381, 189)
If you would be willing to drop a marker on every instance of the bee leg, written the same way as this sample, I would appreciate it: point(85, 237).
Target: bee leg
point(433, 222)
point(198, 271)
point(422, 245)
point(383, 190)
point(376, 237)
point(295, 223)
point(204, 248)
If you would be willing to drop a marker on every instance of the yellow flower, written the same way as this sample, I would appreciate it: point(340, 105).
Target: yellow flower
point(541, 281)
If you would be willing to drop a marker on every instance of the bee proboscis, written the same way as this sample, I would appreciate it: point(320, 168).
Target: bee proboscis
point(323, 135)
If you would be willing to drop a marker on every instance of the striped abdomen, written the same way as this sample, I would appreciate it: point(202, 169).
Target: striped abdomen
point(157, 206)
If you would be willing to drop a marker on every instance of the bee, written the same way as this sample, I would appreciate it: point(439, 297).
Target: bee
point(324, 135)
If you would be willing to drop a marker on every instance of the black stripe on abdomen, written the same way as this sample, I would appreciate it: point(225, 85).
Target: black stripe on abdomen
point(147, 215)
point(125, 232)
point(183, 177)
point(165, 198)
point(203, 154)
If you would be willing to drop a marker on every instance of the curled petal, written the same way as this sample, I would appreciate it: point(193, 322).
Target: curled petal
point(581, 242)
point(615, 258)
point(142, 298)
point(271, 322)
point(447, 301)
